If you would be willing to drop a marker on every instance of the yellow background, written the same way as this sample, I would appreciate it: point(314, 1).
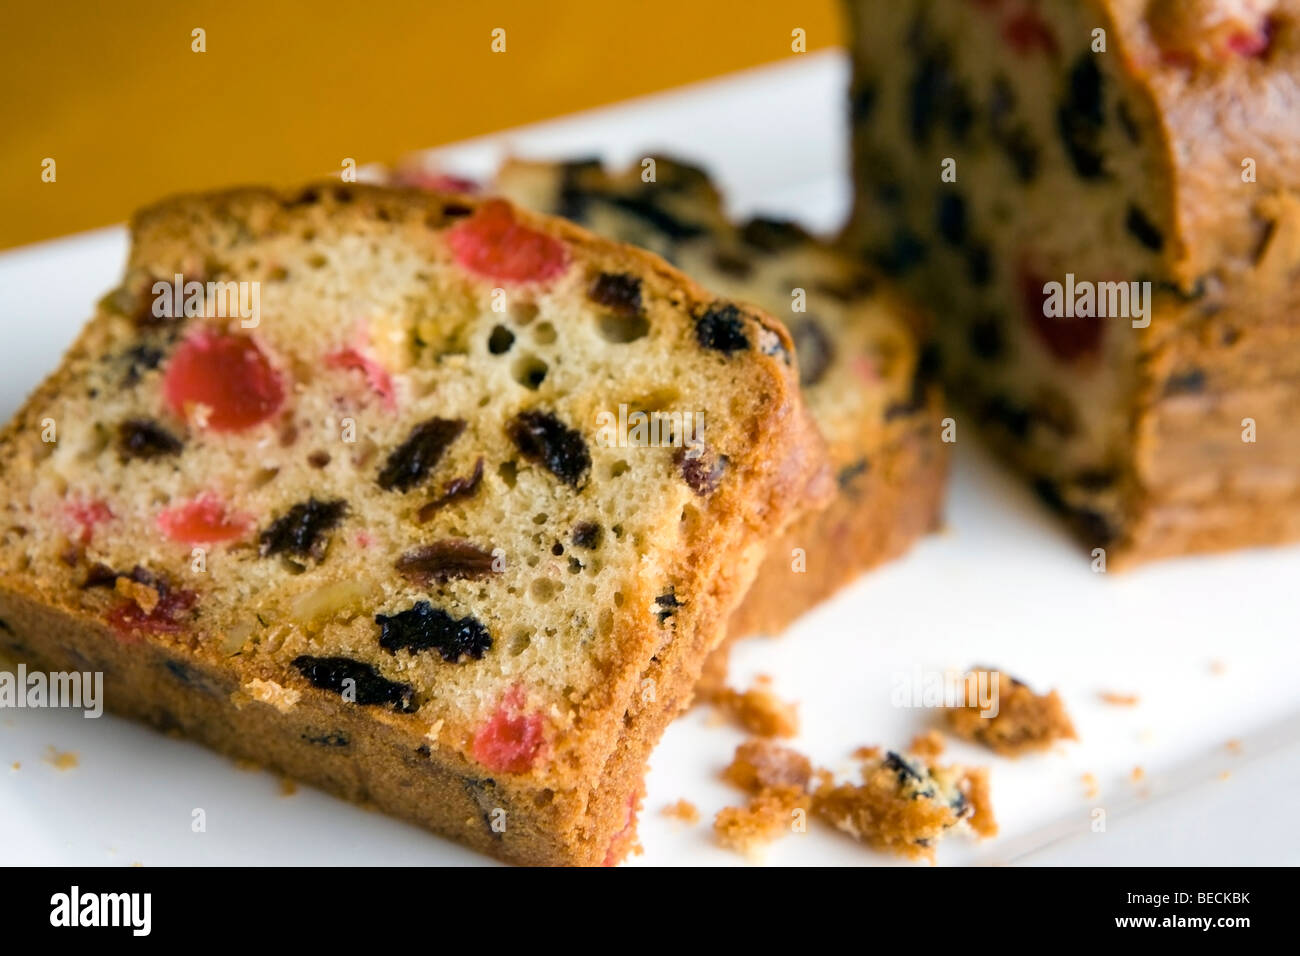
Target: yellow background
point(113, 93)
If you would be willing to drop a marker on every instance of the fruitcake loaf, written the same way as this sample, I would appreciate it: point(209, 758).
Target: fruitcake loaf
point(870, 393)
point(1099, 200)
point(365, 532)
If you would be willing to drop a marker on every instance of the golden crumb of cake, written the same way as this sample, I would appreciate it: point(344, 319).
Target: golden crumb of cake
point(15, 765)
point(1018, 721)
point(758, 710)
point(1138, 774)
point(865, 753)
point(246, 765)
point(928, 744)
point(769, 814)
point(1224, 775)
point(1218, 668)
point(1233, 746)
point(1119, 700)
point(60, 760)
point(287, 787)
point(761, 764)
point(683, 810)
point(1093, 789)
point(903, 806)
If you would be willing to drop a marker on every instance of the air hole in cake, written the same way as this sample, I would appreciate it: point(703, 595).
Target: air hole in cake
point(529, 371)
point(544, 334)
point(621, 329)
point(523, 312)
point(500, 340)
point(518, 643)
point(543, 590)
point(317, 261)
point(508, 472)
point(619, 468)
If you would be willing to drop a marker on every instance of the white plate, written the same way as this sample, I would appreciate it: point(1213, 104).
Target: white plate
point(1001, 585)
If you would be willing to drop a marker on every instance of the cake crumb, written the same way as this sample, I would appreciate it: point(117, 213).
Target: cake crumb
point(1118, 700)
point(1218, 668)
point(758, 710)
point(1233, 746)
point(903, 806)
point(865, 753)
point(683, 810)
point(768, 814)
point(1093, 789)
point(1138, 774)
point(1225, 774)
point(761, 765)
point(15, 765)
point(60, 760)
point(246, 765)
point(288, 787)
point(928, 744)
point(1024, 721)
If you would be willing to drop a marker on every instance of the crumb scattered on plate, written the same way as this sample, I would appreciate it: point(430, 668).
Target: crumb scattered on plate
point(1117, 699)
point(1138, 774)
point(1024, 721)
point(60, 760)
point(683, 810)
point(928, 744)
point(1233, 746)
point(1093, 789)
point(758, 710)
point(288, 787)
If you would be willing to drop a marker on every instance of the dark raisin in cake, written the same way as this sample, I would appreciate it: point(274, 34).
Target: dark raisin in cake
point(351, 535)
point(1135, 153)
point(869, 392)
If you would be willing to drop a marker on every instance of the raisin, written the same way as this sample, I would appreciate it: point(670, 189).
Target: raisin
point(557, 549)
point(986, 340)
point(299, 530)
point(141, 438)
point(1187, 382)
point(902, 768)
point(862, 102)
point(850, 472)
point(1080, 118)
point(772, 235)
point(950, 216)
point(318, 459)
point(587, 535)
point(455, 490)
point(1022, 150)
point(702, 473)
point(1095, 479)
point(139, 359)
point(722, 327)
point(361, 683)
point(182, 673)
point(906, 250)
point(666, 606)
point(442, 561)
point(1001, 411)
point(979, 263)
point(1049, 494)
point(500, 340)
point(423, 627)
point(936, 96)
point(645, 209)
point(412, 460)
point(617, 291)
point(573, 198)
point(813, 349)
point(1143, 229)
point(335, 739)
point(728, 263)
point(102, 576)
point(543, 438)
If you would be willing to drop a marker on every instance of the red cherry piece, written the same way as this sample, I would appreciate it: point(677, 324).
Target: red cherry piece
point(1068, 338)
point(1027, 31)
point(510, 741)
point(87, 515)
point(129, 620)
point(491, 244)
point(377, 377)
point(229, 375)
point(205, 520)
point(1252, 43)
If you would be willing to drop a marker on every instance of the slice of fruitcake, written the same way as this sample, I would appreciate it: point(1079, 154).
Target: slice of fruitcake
point(1101, 199)
point(323, 485)
point(869, 392)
